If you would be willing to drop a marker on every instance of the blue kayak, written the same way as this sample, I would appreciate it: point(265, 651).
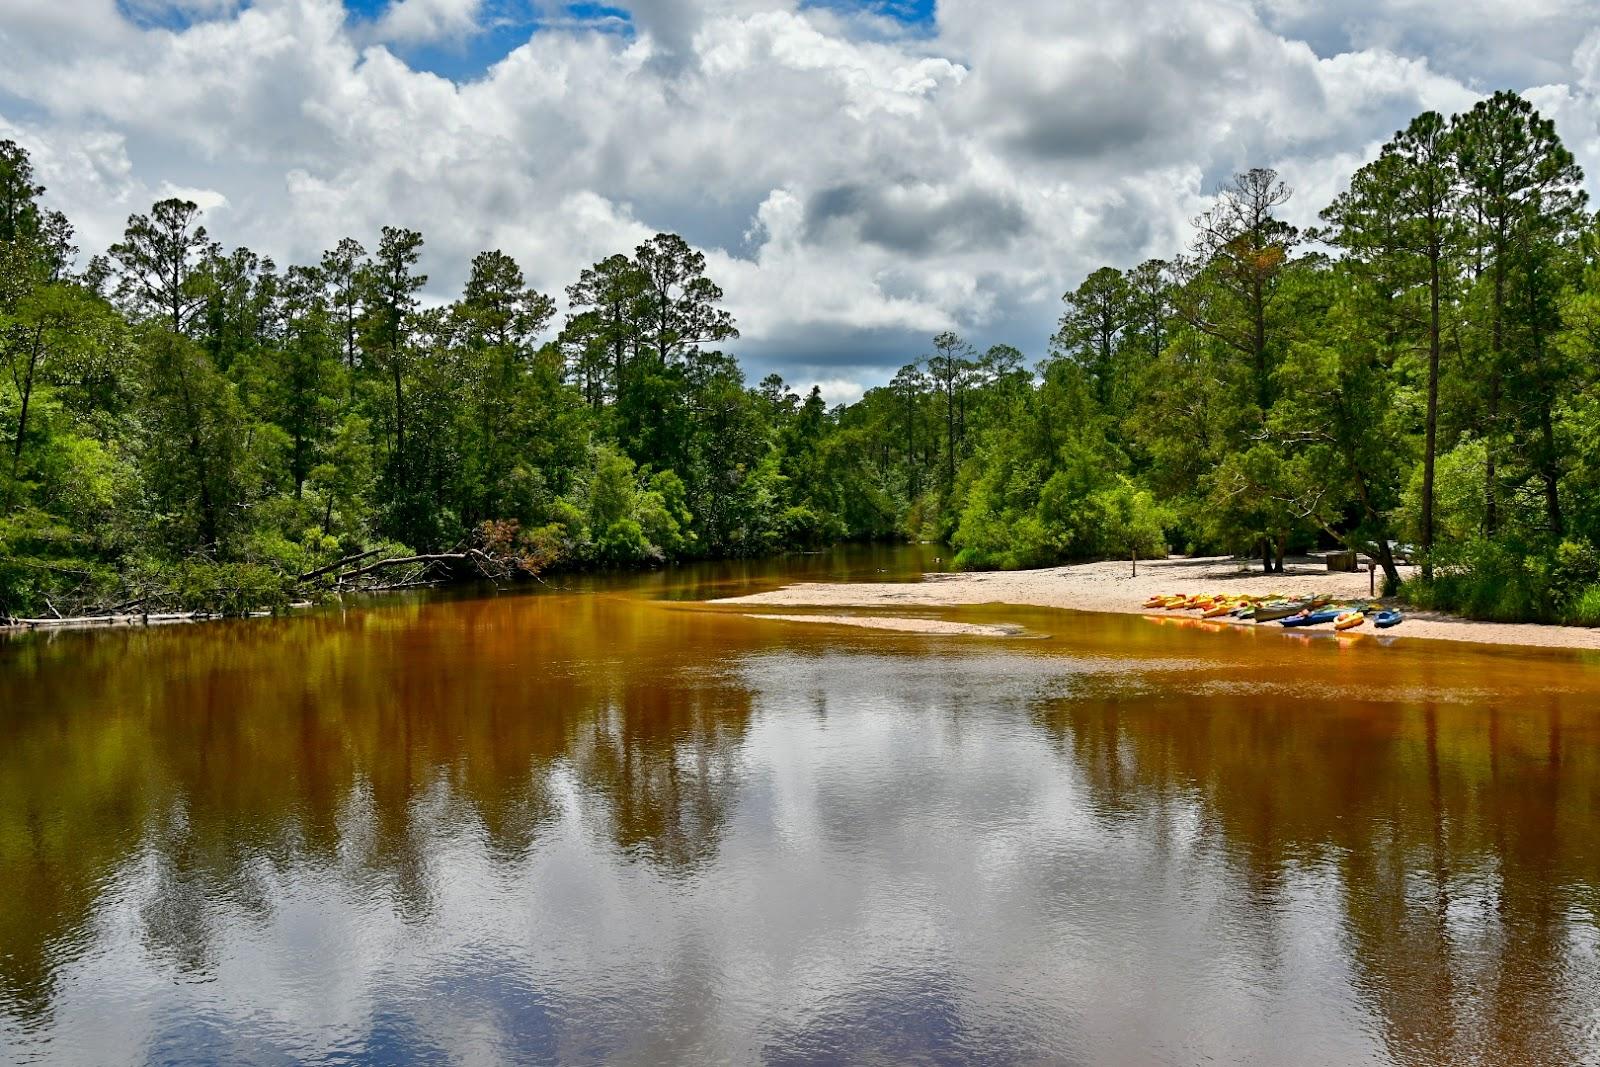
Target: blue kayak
point(1316, 618)
point(1386, 619)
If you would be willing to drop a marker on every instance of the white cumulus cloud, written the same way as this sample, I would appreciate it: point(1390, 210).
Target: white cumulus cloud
point(856, 184)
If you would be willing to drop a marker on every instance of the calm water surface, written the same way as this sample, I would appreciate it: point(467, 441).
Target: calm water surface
point(601, 824)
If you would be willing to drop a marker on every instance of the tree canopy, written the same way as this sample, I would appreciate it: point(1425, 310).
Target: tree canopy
point(1423, 367)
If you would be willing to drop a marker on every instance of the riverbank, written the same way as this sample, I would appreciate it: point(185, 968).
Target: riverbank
point(1111, 587)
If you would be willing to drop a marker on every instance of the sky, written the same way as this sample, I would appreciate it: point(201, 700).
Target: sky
point(860, 174)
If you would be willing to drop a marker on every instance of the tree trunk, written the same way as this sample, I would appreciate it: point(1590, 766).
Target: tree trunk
point(1430, 447)
point(1391, 573)
point(399, 421)
point(1491, 511)
point(661, 340)
point(25, 387)
point(208, 509)
point(912, 482)
point(1491, 517)
point(1549, 463)
point(950, 442)
point(1259, 342)
point(208, 512)
point(1551, 471)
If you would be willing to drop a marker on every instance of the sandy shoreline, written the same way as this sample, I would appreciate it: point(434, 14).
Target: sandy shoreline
point(1110, 587)
point(900, 624)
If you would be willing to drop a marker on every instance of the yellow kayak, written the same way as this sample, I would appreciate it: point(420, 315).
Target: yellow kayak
point(1349, 620)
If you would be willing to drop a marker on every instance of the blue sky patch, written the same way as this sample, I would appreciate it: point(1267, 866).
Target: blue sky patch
point(910, 12)
point(505, 25)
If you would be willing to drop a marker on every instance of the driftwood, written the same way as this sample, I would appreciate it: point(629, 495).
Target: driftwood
point(345, 574)
point(403, 561)
point(486, 565)
point(347, 561)
point(112, 620)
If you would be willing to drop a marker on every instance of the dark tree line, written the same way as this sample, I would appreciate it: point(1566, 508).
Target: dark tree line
point(194, 419)
point(1421, 368)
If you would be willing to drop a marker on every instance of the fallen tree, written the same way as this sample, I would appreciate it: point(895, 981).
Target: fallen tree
point(203, 589)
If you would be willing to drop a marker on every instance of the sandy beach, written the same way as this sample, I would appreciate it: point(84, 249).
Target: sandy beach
point(900, 624)
point(1111, 587)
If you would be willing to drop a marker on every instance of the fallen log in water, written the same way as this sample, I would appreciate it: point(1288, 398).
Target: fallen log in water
point(404, 561)
point(128, 618)
point(330, 568)
point(465, 564)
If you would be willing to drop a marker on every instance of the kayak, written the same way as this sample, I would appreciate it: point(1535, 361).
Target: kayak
point(1349, 620)
point(1386, 619)
point(1274, 612)
point(1311, 618)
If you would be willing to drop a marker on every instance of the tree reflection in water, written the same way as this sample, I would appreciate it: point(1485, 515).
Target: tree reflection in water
point(593, 826)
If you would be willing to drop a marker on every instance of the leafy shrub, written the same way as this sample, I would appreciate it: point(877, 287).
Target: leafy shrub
point(623, 542)
point(44, 564)
point(1457, 500)
point(663, 513)
point(1585, 608)
point(546, 546)
point(1509, 580)
point(223, 588)
point(1072, 519)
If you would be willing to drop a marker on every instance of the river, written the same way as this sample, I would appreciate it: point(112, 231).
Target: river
point(597, 822)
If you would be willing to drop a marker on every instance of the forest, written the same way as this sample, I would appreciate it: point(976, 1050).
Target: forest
point(192, 427)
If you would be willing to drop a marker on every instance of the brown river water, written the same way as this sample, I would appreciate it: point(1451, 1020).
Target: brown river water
point(600, 823)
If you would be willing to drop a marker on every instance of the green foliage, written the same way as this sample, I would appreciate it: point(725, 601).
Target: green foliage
point(622, 541)
point(664, 517)
point(221, 588)
point(192, 446)
point(1425, 368)
point(1510, 580)
point(1458, 495)
point(1046, 485)
point(42, 568)
point(1584, 610)
point(1129, 521)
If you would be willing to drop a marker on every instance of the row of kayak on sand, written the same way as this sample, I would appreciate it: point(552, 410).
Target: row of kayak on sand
point(1313, 611)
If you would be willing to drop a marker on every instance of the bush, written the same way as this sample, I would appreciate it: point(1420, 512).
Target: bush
point(1068, 521)
point(545, 546)
point(43, 564)
point(1585, 608)
point(223, 588)
point(624, 542)
point(1509, 580)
